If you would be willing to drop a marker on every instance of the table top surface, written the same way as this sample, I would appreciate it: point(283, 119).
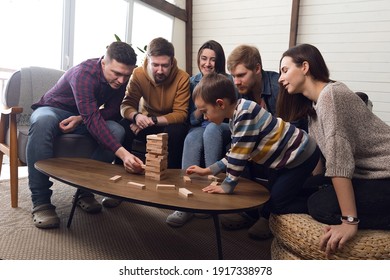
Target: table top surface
point(95, 176)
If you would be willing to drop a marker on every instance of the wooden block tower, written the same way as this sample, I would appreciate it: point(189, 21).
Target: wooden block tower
point(157, 156)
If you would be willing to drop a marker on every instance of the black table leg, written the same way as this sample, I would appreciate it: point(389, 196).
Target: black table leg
point(218, 235)
point(76, 198)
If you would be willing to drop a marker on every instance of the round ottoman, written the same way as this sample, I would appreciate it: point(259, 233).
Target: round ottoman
point(296, 237)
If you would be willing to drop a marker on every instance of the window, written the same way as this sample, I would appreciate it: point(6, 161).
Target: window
point(31, 33)
point(41, 33)
point(148, 23)
point(96, 22)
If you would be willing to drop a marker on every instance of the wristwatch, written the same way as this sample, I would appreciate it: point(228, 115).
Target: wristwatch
point(154, 119)
point(350, 220)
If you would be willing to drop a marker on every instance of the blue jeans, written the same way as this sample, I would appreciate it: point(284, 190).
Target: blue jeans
point(43, 130)
point(205, 145)
point(286, 187)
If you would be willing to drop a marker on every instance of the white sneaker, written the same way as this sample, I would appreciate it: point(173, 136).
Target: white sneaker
point(178, 218)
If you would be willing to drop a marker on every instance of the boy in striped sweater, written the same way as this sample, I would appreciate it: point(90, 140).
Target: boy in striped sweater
point(259, 137)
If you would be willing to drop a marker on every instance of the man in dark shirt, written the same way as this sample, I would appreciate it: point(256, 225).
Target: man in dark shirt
point(253, 83)
point(85, 100)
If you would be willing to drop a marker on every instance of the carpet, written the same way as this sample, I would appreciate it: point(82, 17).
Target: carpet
point(128, 232)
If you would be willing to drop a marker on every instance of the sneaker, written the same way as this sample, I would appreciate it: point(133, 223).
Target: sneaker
point(89, 204)
point(110, 202)
point(178, 218)
point(236, 221)
point(260, 230)
point(45, 216)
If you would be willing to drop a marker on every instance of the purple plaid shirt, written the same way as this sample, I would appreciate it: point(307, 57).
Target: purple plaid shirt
point(82, 90)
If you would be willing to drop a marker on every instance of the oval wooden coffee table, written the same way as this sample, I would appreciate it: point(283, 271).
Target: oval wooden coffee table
point(94, 176)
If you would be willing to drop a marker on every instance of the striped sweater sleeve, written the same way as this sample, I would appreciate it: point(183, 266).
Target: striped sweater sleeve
point(259, 137)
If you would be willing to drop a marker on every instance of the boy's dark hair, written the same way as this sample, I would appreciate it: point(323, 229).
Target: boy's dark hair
point(215, 86)
point(160, 46)
point(122, 53)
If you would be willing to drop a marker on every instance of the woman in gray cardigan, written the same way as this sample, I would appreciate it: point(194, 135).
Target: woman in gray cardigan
point(355, 145)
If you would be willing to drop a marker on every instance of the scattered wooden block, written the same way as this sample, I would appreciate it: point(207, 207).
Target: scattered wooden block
point(165, 187)
point(213, 178)
point(116, 178)
point(185, 192)
point(187, 179)
point(136, 185)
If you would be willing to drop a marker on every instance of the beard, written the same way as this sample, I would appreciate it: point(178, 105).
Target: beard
point(159, 78)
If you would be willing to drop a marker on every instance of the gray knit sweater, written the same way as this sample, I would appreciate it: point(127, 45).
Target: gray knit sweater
point(354, 141)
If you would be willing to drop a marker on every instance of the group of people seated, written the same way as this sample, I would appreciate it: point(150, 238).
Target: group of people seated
point(310, 140)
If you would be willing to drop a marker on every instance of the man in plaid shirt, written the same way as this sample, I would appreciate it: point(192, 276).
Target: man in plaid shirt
point(85, 100)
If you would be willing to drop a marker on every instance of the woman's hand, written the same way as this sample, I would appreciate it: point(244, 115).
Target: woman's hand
point(336, 236)
point(194, 169)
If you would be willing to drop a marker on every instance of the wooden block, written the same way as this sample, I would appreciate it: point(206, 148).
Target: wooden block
point(150, 156)
point(157, 163)
point(159, 143)
point(160, 151)
point(152, 137)
point(187, 179)
point(162, 135)
point(214, 183)
point(116, 178)
point(185, 192)
point(136, 185)
point(156, 169)
point(165, 187)
point(155, 176)
point(213, 178)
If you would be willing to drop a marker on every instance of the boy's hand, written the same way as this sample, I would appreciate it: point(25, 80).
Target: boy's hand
point(213, 189)
point(194, 169)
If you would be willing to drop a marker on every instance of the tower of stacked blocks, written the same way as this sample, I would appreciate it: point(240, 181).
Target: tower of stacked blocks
point(156, 156)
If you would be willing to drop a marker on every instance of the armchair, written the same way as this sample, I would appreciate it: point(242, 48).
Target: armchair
point(25, 87)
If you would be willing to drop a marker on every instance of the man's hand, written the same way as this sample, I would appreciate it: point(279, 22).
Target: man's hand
point(143, 121)
point(135, 128)
point(70, 124)
point(131, 163)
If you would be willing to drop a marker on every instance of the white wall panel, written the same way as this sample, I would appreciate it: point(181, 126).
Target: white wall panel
point(264, 24)
point(354, 37)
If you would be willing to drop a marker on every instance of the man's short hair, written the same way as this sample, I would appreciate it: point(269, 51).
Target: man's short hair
point(160, 46)
point(122, 53)
point(247, 55)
